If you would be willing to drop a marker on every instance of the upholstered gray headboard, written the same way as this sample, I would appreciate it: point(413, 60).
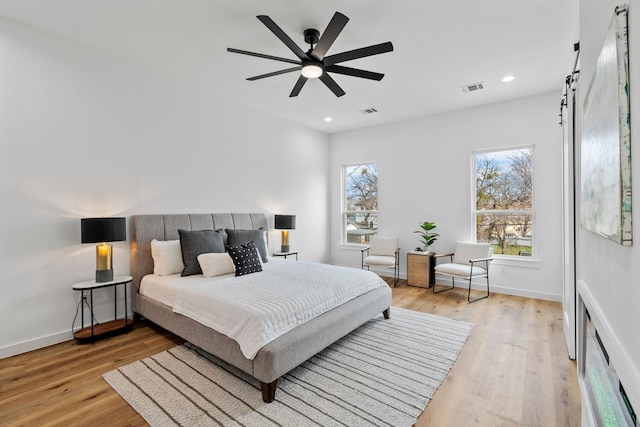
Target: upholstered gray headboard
point(145, 228)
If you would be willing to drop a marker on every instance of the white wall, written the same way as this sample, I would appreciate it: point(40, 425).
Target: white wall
point(83, 133)
point(610, 273)
point(425, 175)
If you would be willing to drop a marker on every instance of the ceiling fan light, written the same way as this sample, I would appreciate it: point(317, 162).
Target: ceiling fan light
point(312, 71)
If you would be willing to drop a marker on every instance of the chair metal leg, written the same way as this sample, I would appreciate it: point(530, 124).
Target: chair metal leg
point(396, 268)
point(453, 280)
point(396, 274)
point(479, 298)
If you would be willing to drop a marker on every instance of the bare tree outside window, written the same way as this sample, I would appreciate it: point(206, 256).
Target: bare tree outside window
point(504, 200)
point(360, 212)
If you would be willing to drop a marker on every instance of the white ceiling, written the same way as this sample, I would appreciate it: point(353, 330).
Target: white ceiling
point(439, 46)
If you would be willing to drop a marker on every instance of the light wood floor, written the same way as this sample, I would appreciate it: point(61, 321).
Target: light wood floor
point(512, 371)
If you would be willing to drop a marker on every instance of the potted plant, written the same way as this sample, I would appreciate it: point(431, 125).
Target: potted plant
point(427, 235)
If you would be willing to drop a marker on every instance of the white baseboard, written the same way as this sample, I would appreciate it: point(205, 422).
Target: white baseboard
point(26, 346)
point(524, 293)
point(503, 290)
point(481, 285)
point(46, 341)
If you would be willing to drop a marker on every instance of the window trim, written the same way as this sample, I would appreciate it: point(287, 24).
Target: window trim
point(533, 259)
point(343, 200)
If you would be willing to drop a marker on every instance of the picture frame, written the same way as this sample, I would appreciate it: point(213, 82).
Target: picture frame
point(605, 204)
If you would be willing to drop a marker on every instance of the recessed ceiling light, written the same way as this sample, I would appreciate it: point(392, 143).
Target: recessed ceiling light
point(507, 79)
point(327, 119)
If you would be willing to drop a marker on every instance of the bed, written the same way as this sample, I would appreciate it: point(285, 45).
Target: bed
point(278, 356)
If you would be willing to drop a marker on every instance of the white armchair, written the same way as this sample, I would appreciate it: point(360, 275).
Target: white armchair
point(468, 261)
point(383, 252)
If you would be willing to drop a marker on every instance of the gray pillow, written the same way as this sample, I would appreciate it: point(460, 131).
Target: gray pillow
point(224, 235)
point(194, 243)
point(242, 237)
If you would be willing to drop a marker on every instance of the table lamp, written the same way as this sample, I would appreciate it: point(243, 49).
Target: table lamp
point(285, 223)
point(103, 230)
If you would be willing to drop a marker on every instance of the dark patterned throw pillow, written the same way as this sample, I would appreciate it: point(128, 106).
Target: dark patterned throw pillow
point(245, 258)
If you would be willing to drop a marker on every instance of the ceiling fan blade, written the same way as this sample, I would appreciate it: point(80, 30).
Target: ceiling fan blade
point(262, 55)
point(329, 36)
point(282, 36)
point(332, 85)
point(363, 52)
point(355, 72)
point(275, 73)
point(298, 87)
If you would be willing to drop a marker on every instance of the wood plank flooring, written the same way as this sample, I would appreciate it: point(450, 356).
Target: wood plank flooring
point(512, 371)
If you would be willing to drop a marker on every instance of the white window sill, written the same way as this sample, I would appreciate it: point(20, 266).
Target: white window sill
point(526, 262)
point(352, 246)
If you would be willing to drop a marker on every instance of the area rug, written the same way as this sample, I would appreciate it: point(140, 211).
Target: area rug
point(382, 374)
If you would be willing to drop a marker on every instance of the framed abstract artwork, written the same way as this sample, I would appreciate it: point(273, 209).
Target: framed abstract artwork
point(605, 204)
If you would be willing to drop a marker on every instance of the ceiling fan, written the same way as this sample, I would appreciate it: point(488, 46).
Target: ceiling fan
point(314, 63)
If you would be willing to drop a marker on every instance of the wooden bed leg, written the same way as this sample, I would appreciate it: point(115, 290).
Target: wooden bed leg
point(386, 314)
point(268, 391)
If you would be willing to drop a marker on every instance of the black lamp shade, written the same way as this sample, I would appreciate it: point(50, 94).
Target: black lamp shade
point(285, 222)
point(97, 230)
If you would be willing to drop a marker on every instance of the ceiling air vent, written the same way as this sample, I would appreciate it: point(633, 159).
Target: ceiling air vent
point(473, 87)
point(369, 111)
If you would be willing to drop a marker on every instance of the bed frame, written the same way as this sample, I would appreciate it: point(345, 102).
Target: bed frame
point(277, 357)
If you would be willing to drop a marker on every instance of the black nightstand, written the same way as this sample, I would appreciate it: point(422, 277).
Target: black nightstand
point(285, 254)
point(106, 328)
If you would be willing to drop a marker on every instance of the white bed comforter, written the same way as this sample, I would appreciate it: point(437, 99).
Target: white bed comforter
point(257, 308)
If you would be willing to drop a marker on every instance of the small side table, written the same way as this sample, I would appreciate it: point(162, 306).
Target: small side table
point(421, 269)
point(96, 330)
point(285, 254)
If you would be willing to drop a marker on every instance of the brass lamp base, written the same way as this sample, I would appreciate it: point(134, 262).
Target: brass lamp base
point(104, 263)
point(284, 245)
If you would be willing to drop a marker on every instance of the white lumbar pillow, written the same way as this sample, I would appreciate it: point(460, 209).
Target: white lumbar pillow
point(216, 264)
point(167, 257)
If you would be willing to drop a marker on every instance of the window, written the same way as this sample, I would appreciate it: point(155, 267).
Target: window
point(360, 202)
point(503, 211)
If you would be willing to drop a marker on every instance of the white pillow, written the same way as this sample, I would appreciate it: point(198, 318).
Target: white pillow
point(167, 257)
point(216, 264)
